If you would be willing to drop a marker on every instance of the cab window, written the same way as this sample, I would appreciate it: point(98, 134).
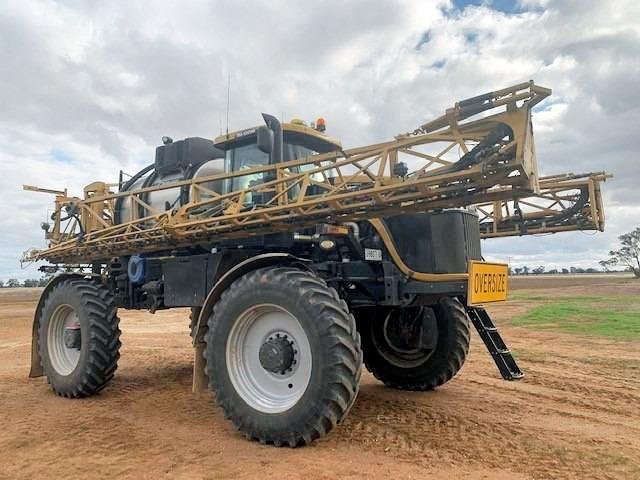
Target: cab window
point(244, 157)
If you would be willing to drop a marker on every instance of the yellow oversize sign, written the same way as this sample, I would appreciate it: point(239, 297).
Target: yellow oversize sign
point(487, 282)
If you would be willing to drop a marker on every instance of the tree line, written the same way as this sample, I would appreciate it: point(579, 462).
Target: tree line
point(525, 270)
point(30, 282)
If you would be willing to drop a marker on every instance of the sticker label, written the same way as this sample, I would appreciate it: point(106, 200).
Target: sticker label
point(373, 254)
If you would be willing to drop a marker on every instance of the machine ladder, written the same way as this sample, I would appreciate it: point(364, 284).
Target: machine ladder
point(495, 344)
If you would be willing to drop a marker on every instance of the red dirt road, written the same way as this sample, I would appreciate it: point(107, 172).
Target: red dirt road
point(575, 415)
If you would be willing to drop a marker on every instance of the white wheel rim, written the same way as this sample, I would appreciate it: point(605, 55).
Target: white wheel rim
point(62, 358)
point(263, 390)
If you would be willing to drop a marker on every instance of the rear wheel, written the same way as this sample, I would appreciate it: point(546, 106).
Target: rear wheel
point(415, 348)
point(283, 356)
point(78, 337)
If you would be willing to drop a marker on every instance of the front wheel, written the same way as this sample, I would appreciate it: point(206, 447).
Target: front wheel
point(283, 356)
point(415, 348)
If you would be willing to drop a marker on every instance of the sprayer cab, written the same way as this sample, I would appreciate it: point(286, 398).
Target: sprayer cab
point(275, 142)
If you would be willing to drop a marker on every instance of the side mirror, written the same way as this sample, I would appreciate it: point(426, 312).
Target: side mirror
point(264, 139)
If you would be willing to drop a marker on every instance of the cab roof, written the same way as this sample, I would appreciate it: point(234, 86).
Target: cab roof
point(292, 132)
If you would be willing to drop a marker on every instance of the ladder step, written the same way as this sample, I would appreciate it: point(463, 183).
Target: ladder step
point(502, 351)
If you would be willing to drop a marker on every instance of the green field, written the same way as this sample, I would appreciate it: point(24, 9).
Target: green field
point(607, 316)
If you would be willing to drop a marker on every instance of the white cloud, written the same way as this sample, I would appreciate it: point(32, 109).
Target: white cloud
point(101, 82)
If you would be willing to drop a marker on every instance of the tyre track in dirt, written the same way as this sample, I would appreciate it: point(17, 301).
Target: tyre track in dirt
point(496, 432)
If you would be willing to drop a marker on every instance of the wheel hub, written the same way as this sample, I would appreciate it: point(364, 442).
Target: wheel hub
point(72, 338)
point(277, 354)
point(402, 338)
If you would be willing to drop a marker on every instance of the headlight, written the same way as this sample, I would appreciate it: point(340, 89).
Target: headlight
point(327, 244)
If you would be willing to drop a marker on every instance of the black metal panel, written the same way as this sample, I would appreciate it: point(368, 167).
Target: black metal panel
point(415, 287)
point(472, 232)
point(185, 281)
point(153, 269)
point(183, 154)
point(189, 279)
point(439, 242)
point(282, 241)
point(448, 242)
point(413, 240)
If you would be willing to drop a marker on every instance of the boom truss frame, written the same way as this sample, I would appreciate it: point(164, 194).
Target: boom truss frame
point(495, 161)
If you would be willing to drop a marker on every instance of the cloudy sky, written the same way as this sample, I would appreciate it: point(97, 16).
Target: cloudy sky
point(88, 88)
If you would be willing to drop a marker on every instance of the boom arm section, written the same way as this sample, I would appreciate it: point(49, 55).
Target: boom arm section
point(564, 203)
point(461, 158)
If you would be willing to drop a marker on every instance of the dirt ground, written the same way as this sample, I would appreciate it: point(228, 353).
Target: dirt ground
point(575, 415)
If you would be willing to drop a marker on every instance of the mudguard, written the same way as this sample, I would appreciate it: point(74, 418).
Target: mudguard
point(242, 268)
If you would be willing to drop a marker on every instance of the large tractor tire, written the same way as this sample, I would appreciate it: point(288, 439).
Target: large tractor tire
point(78, 337)
point(283, 356)
point(397, 353)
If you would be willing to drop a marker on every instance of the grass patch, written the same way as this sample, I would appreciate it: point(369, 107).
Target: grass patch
point(614, 317)
point(527, 295)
